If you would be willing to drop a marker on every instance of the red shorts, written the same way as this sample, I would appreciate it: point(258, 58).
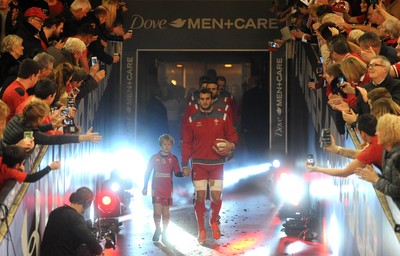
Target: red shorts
point(206, 172)
point(161, 200)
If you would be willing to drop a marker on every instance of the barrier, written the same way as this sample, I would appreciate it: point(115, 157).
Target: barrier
point(29, 204)
point(359, 219)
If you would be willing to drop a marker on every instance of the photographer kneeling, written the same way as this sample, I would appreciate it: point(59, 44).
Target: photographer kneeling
point(66, 229)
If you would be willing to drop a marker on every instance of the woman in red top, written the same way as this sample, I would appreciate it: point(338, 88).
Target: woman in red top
point(355, 71)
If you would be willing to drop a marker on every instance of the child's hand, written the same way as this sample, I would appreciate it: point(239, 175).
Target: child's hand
point(144, 191)
point(55, 165)
point(186, 171)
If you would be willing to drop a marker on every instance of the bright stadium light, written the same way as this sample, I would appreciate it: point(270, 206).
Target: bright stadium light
point(130, 158)
point(232, 177)
point(291, 188)
point(276, 163)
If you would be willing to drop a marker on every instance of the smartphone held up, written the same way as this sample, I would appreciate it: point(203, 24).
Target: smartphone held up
point(273, 44)
point(310, 160)
point(325, 139)
point(94, 61)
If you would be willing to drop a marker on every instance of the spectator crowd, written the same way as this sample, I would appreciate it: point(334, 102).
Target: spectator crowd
point(53, 54)
point(360, 58)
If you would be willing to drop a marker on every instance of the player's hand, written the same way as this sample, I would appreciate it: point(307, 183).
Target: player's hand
point(226, 150)
point(186, 171)
point(144, 191)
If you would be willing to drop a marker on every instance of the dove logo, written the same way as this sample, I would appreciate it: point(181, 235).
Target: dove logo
point(279, 127)
point(178, 23)
point(138, 22)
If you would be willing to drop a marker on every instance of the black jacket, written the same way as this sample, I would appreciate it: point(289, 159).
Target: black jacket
point(30, 35)
point(71, 25)
point(96, 48)
point(8, 68)
point(14, 132)
point(10, 26)
point(65, 232)
point(392, 85)
point(88, 85)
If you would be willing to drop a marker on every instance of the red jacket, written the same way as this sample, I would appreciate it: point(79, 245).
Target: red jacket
point(163, 167)
point(10, 173)
point(199, 133)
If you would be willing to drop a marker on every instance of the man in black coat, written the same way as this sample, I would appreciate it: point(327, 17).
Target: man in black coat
point(378, 70)
point(97, 19)
point(29, 31)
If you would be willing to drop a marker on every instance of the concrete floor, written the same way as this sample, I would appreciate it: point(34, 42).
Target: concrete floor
point(249, 226)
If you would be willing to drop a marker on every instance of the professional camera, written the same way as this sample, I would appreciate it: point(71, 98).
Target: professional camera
point(105, 237)
point(325, 139)
point(70, 127)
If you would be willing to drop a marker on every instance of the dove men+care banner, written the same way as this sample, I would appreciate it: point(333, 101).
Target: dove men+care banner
point(204, 26)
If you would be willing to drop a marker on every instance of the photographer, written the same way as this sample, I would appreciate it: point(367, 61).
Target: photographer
point(66, 229)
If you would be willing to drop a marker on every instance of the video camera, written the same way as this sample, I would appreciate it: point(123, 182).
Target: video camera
point(105, 237)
